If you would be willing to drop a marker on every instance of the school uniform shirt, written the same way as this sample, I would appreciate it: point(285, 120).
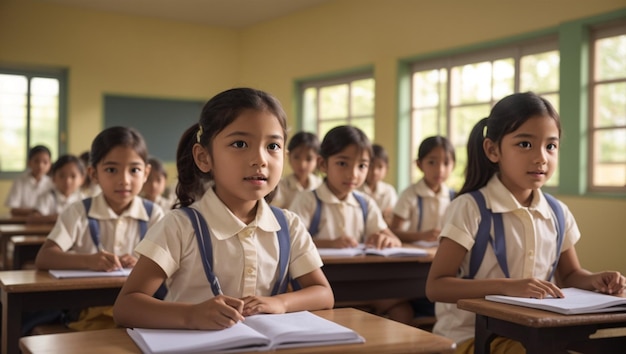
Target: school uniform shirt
point(119, 234)
point(245, 257)
point(91, 190)
point(434, 205)
point(26, 189)
point(164, 203)
point(54, 202)
point(530, 234)
point(339, 217)
point(385, 194)
point(289, 186)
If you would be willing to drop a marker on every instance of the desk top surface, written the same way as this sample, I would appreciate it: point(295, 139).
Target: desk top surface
point(25, 229)
point(22, 281)
point(381, 259)
point(12, 219)
point(381, 335)
point(531, 317)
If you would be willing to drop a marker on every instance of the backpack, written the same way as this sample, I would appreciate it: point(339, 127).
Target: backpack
point(94, 230)
point(206, 250)
point(498, 243)
point(315, 221)
point(420, 204)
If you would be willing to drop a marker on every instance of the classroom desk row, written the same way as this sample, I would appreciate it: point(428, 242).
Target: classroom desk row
point(7, 231)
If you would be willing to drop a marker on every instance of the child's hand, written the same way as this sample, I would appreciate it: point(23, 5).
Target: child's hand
point(430, 235)
point(382, 240)
point(218, 312)
point(609, 282)
point(253, 305)
point(128, 261)
point(344, 242)
point(105, 261)
point(532, 288)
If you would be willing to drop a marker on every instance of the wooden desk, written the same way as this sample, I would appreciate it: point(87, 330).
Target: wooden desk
point(543, 331)
point(12, 219)
point(364, 278)
point(25, 249)
point(9, 230)
point(32, 290)
point(381, 336)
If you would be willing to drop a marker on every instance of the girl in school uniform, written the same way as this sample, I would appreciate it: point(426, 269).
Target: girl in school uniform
point(418, 213)
point(383, 193)
point(67, 173)
point(89, 188)
point(119, 165)
point(236, 263)
point(511, 155)
point(154, 187)
point(35, 181)
point(303, 151)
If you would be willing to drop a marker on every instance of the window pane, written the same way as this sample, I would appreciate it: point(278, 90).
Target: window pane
point(503, 78)
point(44, 117)
point(610, 105)
point(363, 97)
point(334, 102)
point(426, 88)
point(540, 72)
point(471, 83)
point(463, 120)
point(610, 158)
point(326, 125)
point(366, 125)
point(309, 102)
point(609, 55)
point(13, 119)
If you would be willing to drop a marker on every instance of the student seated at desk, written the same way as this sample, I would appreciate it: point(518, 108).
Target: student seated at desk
point(101, 233)
point(383, 193)
point(227, 254)
point(67, 173)
point(154, 187)
point(511, 155)
point(337, 215)
point(26, 189)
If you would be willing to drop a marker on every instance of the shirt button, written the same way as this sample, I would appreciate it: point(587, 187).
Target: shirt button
point(250, 270)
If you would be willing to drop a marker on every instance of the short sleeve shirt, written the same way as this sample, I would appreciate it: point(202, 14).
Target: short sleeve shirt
point(289, 186)
point(339, 217)
point(434, 206)
point(26, 189)
point(530, 234)
point(245, 257)
point(385, 194)
point(53, 202)
point(119, 234)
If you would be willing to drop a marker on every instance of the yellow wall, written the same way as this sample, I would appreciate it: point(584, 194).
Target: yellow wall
point(110, 53)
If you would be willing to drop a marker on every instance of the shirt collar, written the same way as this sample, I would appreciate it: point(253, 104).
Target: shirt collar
point(326, 196)
point(225, 224)
point(501, 200)
point(100, 209)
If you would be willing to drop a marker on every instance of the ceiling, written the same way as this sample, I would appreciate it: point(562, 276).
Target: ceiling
point(232, 14)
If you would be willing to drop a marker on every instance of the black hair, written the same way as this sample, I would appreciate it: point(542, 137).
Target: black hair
point(341, 137)
point(432, 142)
point(506, 116)
point(37, 149)
point(67, 159)
point(113, 137)
point(305, 139)
point(218, 113)
point(379, 152)
point(157, 166)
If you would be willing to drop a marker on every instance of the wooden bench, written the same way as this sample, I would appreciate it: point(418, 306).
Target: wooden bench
point(24, 249)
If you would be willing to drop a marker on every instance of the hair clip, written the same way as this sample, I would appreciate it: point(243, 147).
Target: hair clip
point(199, 133)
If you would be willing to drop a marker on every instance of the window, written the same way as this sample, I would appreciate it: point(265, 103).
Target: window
point(449, 95)
point(30, 114)
point(607, 125)
point(342, 101)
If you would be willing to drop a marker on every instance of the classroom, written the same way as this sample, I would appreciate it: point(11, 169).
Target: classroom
point(122, 55)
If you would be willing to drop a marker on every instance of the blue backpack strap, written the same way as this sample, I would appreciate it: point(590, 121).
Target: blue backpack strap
point(94, 227)
point(420, 204)
point(284, 244)
point(315, 221)
point(363, 203)
point(204, 246)
point(483, 237)
point(143, 225)
point(452, 193)
point(560, 229)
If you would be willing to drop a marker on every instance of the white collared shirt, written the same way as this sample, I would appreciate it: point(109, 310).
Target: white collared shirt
point(245, 257)
point(339, 217)
point(54, 202)
point(385, 194)
point(289, 186)
point(530, 235)
point(26, 189)
point(119, 234)
point(433, 206)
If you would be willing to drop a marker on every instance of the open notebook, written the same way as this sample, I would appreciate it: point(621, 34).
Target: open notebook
point(576, 301)
point(362, 249)
point(70, 273)
point(256, 333)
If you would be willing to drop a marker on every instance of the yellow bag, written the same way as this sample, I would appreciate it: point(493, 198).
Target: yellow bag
point(92, 318)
